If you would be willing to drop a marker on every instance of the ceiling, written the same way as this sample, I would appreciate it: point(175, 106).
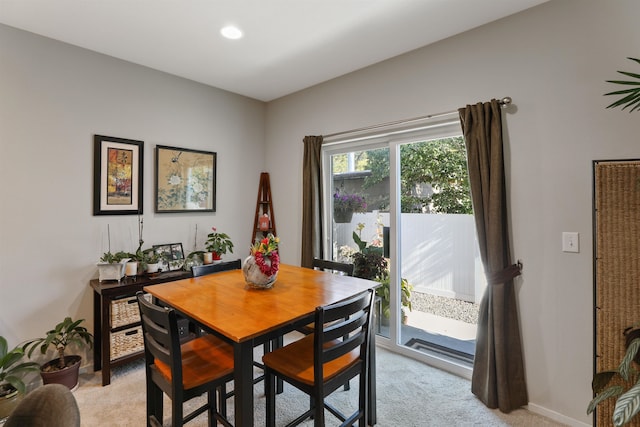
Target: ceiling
point(288, 45)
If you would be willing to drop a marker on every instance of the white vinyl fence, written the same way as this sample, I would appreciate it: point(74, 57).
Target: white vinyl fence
point(439, 251)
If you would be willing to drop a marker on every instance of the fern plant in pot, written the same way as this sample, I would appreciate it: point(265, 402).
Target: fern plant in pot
point(65, 368)
point(12, 372)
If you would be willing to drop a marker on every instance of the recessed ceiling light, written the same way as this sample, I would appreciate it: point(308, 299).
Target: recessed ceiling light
point(231, 32)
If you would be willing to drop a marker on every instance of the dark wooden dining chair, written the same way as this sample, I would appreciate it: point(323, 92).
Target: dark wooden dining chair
point(333, 266)
point(206, 269)
point(182, 371)
point(320, 363)
point(202, 270)
point(347, 269)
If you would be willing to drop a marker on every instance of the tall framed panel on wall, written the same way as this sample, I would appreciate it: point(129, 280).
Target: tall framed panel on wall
point(118, 177)
point(616, 252)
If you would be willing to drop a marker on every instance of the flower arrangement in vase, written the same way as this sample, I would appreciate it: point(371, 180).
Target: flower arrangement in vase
point(261, 267)
point(218, 244)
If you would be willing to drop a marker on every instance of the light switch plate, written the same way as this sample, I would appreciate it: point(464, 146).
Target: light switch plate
point(570, 242)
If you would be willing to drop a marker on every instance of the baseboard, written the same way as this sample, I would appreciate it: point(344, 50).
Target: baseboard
point(555, 416)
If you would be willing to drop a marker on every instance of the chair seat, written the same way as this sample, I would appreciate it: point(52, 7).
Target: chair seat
point(295, 360)
point(203, 359)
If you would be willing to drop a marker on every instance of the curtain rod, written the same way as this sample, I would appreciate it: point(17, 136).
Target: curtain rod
point(503, 102)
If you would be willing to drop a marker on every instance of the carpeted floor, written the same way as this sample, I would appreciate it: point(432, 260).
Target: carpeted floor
point(410, 393)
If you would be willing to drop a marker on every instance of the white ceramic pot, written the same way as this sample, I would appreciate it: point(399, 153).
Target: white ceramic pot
point(254, 277)
point(153, 268)
point(113, 271)
point(207, 258)
point(131, 268)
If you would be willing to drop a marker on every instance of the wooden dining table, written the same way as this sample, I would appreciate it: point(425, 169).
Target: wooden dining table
point(225, 305)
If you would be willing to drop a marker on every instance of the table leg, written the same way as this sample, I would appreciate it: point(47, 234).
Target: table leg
point(373, 419)
point(243, 383)
point(106, 341)
point(97, 332)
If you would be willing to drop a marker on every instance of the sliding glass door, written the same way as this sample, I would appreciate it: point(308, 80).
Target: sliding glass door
point(397, 206)
point(439, 278)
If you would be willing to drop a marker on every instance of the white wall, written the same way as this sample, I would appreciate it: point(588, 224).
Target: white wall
point(53, 99)
point(553, 61)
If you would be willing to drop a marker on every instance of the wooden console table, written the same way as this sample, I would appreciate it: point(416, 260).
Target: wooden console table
point(116, 319)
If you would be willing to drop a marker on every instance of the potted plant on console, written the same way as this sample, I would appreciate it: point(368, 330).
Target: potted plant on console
point(151, 260)
point(12, 372)
point(112, 266)
point(218, 244)
point(64, 369)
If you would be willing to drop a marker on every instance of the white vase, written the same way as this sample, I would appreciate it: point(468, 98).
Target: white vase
point(111, 271)
point(256, 278)
point(152, 268)
point(131, 268)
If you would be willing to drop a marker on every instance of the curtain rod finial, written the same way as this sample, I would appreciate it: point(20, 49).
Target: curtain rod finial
point(505, 101)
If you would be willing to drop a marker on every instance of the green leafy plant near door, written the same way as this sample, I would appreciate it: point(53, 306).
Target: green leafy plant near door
point(370, 263)
point(631, 94)
point(622, 383)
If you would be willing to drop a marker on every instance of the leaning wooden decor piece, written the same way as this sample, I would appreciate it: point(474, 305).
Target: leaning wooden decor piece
point(264, 221)
point(617, 286)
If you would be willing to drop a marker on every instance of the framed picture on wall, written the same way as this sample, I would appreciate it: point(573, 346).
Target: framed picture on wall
point(171, 256)
point(185, 180)
point(117, 176)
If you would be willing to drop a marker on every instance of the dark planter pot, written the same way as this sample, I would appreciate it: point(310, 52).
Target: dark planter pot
point(9, 399)
point(67, 376)
point(630, 335)
point(342, 216)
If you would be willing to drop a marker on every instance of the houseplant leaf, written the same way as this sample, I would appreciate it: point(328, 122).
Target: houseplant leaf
point(627, 406)
point(611, 392)
point(632, 95)
point(625, 365)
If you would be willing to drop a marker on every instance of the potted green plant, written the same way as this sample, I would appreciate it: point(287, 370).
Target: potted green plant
point(345, 204)
point(151, 260)
point(630, 90)
point(622, 383)
point(193, 259)
point(218, 244)
point(383, 292)
point(64, 369)
point(12, 372)
point(370, 263)
point(112, 266)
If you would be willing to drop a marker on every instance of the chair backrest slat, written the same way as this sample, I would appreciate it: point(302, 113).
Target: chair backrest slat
point(333, 266)
point(343, 309)
point(342, 347)
point(161, 338)
point(203, 270)
point(336, 330)
point(340, 328)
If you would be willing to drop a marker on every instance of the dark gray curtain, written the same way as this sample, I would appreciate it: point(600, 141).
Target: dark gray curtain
point(498, 377)
point(311, 201)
